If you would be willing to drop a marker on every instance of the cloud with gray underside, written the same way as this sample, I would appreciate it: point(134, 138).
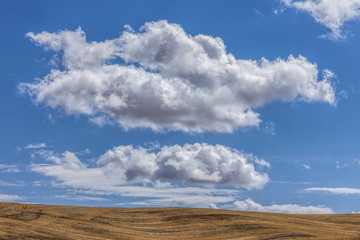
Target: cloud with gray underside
point(197, 163)
point(165, 79)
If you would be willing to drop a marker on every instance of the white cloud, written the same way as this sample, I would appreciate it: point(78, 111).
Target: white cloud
point(331, 13)
point(342, 165)
point(8, 184)
point(38, 183)
point(35, 146)
point(175, 196)
point(269, 127)
point(9, 198)
point(335, 190)
point(346, 164)
point(306, 166)
point(250, 205)
point(191, 163)
point(81, 198)
point(169, 80)
point(160, 174)
point(213, 206)
point(9, 168)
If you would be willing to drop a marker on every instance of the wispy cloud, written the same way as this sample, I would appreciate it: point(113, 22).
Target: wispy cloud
point(345, 164)
point(81, 198)
point(8, 184)
point(33, 146)
point(306, 166)
point(180, 196)
point(250, 205)
point(9, 168)
point(331, 13)
point(269, 127)
point(334, 190)
point(357, 161)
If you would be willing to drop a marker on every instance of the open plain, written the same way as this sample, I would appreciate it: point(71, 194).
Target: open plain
point(32, 221)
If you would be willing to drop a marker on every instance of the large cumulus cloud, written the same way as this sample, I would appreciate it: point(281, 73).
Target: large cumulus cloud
point(188, 175)
point(190, 163)
point(163, 78)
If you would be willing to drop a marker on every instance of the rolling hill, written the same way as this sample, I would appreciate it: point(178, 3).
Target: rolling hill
point(32, 221)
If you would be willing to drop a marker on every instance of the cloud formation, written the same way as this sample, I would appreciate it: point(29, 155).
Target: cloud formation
point(335, 190)
point(9, 198)
point(331, 13)
point(191, 164)
point(8, 184)
point(9, 168)
point(174, 196)
point(35, 146)
point(250, 205)
point(165, 79)
point(80, 198)
point(157, 177)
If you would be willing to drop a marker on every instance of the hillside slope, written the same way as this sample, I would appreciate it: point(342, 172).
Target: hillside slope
point(29, 221)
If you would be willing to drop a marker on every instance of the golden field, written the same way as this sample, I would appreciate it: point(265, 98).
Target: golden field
point(31, 221)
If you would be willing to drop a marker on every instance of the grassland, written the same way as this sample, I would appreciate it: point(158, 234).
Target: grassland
point(30, 221)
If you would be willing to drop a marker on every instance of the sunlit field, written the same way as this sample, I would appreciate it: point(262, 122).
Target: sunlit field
point(30, 221)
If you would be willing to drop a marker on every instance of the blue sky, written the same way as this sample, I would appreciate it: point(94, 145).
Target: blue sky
point(249, 105)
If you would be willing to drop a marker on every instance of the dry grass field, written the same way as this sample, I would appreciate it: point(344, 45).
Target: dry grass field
point(29, 221)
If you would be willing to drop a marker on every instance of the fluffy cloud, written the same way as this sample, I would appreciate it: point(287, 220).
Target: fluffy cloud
point(157, 177)
point(191, 163)
point(331, 13)
point(250, 205)
point(164, 78)
point(335, 190)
